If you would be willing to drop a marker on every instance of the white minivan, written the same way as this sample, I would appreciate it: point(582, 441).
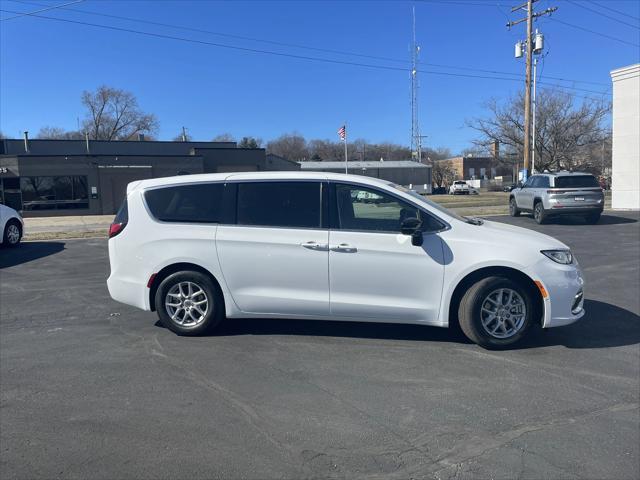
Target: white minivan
point(306, 245)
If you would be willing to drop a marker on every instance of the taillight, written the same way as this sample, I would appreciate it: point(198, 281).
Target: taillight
point(116, 228)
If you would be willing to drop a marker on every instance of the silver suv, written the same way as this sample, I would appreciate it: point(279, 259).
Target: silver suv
point(560, 193)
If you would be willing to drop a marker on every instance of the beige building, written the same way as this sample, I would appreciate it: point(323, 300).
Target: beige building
point(477, 168)
point(625, 178)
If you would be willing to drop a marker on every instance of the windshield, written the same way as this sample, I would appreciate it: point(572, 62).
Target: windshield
point(433, 204)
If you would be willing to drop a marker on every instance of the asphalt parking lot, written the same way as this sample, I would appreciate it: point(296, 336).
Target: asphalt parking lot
point(90, 388)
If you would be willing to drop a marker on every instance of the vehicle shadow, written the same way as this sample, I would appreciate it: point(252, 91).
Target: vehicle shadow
point(603, 326)
point(579, 220)
point(337, 329)
point(27, 252)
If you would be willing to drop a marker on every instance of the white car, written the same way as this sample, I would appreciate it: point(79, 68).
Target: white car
point(459, 188)
point(300, 245)
point(11, 226)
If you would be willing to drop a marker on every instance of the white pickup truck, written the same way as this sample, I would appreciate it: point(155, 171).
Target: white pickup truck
point(459, 187)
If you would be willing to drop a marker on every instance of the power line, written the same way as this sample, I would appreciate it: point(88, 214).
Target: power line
point(306, 47)
point(603, 14)
point(41, 10)
point(606, 7)
point(291, 55)
point(594, 32)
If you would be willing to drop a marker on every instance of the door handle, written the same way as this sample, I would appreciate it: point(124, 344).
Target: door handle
point(315, 246)
point(343, 248)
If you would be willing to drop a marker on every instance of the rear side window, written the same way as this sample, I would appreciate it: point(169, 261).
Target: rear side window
point(279, 204)
point(540, 182)
point(197, 203)
point(576, 181)
point(123, 213)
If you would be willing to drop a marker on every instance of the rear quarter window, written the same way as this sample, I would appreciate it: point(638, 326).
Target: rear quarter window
point(197, 203)
point(123, 213)
point(576, 181)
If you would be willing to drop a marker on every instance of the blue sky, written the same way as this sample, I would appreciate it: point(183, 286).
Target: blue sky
point(46, 64)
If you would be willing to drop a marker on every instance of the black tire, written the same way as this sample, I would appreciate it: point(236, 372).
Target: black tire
point(539, 215)
point(470, 311)
point(514, 211)
point(213, 315)
point(8, 236)
point(592, 218)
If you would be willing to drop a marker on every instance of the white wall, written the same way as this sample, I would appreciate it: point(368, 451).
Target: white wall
point(625, 178)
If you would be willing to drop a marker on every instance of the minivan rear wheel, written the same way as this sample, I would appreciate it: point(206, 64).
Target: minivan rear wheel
point(496, 312)
point(189, 303)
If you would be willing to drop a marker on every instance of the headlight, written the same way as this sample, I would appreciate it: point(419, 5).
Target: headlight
point(559, 256)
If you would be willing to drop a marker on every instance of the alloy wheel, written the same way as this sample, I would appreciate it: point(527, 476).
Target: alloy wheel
point(503, 313)
point(13, 234)
point(187, 304)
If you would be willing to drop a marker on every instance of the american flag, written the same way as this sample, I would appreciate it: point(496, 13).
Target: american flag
point(342, 131)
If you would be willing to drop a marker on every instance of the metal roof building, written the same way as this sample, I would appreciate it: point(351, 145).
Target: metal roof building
point(79, 177)
point(404, 172)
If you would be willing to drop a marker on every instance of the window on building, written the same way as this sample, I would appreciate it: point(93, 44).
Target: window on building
point(197, 203)
point(472, 172)
point(49, 193)
point(279, 204)
point(482, 172)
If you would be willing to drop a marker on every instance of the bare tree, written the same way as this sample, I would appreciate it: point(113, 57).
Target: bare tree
point(114, 114)
point(57, 133)
point(291, 146)
point(325, 150)
point(566, 131)
point(440, 153)
point(224, 137)
point(442, 173)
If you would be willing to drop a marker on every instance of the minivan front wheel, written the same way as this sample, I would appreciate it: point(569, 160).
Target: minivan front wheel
point(189, 303)
point(12, 234)
point(496, 312)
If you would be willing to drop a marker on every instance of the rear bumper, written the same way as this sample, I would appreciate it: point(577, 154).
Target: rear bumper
point(123, 286)
point(561, 210)
point(130, 293)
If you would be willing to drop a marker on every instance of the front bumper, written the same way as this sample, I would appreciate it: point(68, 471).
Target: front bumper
point(564, 284)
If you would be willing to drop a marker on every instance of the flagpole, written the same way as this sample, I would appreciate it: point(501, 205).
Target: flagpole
point(346, 163)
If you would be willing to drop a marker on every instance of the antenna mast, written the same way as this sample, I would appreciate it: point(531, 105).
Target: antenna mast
point(416, 139)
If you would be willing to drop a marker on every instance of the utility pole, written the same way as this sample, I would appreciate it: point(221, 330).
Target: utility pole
point(416, 140)
point(533, 126)
point(529, 45)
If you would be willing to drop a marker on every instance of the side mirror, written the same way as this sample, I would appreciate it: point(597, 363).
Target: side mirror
point(411, 226)
point(417, 239)
point(520, 185)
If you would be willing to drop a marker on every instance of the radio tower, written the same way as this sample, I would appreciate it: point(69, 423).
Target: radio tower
point(416, 139)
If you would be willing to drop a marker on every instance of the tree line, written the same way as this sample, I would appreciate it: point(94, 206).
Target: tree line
point(570, 133)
